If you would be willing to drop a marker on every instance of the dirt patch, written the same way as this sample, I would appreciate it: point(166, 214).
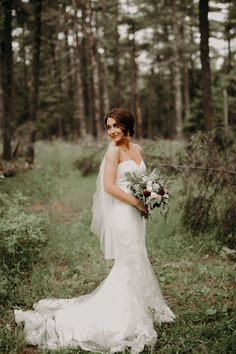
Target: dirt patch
point(38, 206)
point(29, 350)
point(62, 211)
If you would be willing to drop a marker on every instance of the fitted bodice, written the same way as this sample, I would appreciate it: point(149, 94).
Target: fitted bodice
point(128, 166)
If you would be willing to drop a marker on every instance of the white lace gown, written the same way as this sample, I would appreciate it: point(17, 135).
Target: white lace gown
point(122, 310)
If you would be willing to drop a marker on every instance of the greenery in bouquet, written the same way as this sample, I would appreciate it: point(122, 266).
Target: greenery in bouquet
point(150, 187)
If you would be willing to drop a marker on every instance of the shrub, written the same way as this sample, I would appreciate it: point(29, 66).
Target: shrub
point(163, 155)
point(209, 186)
point(21, 232)
point(89, 162)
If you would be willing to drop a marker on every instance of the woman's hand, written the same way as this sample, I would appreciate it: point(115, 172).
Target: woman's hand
point(141, 206)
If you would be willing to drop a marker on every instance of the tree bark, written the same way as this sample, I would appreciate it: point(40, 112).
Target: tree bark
point(36, 58)
point(6, 60)
point(136, 107)
point(186, 91)
point(152, 112)
point(86, 73)
point(1, 99)
point(56, 73)
point(177, 71)
point(69, 68)
point(103, 79)
point(35, 78)
point(185, 60)
point(226, 110)
point(79, 129)
point(227, 70)
point(25, 80)
point(116, 55)
point(79, 112)
point(205, 62)
point(92, 43)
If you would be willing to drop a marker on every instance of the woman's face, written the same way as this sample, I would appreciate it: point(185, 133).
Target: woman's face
point(114, 131)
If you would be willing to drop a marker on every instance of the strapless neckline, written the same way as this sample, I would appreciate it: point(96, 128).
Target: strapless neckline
point(131, 161)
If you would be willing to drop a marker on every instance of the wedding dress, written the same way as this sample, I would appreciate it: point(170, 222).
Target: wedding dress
point(122, 310)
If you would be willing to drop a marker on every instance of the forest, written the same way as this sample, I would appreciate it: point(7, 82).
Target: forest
point(65, 64)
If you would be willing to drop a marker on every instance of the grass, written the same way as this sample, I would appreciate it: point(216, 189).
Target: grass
point(197, 280)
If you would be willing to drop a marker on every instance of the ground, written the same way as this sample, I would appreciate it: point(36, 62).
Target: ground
point(196, 276)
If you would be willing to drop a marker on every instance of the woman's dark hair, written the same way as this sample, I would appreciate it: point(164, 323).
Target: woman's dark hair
point(123, 118)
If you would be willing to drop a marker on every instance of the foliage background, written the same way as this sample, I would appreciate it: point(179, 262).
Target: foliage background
point(63, 65)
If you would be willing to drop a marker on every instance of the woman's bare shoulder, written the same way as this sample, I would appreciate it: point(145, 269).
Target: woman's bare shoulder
point(137, 146)
point(113, 149)
point(113, 153)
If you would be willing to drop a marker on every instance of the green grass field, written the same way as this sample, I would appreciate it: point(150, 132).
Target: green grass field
point(196, 277)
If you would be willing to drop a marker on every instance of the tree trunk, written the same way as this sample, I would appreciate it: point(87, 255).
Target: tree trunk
point(6, 60)
point(25, 80)
point(79, 113)
point(205, 61)
point(177, 71)
point(227, 70)
point(56, 73)
point(185, 59)
point(1, 98)
point(86, 73)
point(134, 88)
point(69, 68)
point(116, 54)
point(92, 42)
point(79, 129)
point(226, 110)
point(151, 104)
point(186, 91)
point(97, 106)
point(35, 78)
point(104, 84)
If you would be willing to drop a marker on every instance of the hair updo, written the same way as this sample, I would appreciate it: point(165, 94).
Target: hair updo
point(124, 119)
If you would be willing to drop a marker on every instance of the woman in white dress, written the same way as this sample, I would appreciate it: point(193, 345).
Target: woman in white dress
point(120, 313)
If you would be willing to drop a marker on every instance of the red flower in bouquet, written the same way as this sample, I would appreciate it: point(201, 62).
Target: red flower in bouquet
point(161, 191)
point(146, 193)
point(151, 189)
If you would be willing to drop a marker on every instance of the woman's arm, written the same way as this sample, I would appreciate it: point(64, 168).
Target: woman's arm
point(109, 179)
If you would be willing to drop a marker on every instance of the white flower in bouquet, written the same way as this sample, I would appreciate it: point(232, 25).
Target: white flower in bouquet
point(156, 196)
point(145, 178)
point(156, 186)
point(149, 188)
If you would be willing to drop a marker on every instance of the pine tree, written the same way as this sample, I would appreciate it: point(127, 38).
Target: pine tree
point(205, 61)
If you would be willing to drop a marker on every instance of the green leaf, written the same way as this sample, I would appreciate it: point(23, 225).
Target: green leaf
point(211, 311)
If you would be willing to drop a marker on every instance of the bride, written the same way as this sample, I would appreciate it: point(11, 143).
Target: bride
point(120, 313)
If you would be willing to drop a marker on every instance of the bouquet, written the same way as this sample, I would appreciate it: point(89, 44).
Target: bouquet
point(151, 189)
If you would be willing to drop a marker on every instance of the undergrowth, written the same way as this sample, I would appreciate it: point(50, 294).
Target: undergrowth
point(196, 276)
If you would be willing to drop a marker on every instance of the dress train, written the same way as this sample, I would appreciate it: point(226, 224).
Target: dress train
point(122, 310)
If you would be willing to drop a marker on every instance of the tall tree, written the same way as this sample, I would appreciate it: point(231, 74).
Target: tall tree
point(205, 62)
point(87, 77)
point(35, 77)
point(79, 111)
point(6, 60)
point(136, 107)
point(228, 33)
point(177, 69)
point(92, 31)
point(1, 98)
